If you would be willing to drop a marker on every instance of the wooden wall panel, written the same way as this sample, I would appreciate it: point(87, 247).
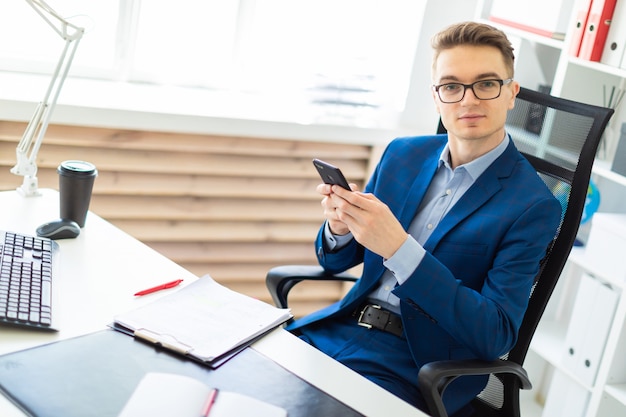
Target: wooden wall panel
point(231, 207)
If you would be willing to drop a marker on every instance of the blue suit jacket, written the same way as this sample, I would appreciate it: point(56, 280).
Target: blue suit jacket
point(467, 297)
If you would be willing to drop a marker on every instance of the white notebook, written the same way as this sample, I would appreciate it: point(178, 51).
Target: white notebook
point(167, 395)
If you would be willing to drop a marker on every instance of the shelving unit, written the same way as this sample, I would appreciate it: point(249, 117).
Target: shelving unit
point(559, 388)
point(605, 395)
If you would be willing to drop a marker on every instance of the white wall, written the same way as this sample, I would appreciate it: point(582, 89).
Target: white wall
point(420, 115)
point(106, 104)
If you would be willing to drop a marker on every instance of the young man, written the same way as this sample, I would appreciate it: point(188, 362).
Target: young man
point(450, 231)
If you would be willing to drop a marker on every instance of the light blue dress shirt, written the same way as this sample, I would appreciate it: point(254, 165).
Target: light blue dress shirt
point(445, 190)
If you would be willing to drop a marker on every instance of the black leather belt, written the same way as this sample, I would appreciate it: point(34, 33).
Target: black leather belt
point(374, 316)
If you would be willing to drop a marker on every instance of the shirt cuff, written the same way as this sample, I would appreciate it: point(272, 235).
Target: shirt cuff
point(406, 259)
point(335, 242)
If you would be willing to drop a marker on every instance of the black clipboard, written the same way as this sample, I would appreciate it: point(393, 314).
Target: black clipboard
point(213, 364)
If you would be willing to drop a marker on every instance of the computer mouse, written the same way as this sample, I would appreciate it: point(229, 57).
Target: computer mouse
point(59, 229)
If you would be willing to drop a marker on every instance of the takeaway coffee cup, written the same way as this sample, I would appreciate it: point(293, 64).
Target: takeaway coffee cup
point(76, 180)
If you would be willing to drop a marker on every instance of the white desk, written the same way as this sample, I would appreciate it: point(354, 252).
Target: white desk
point(104, 267)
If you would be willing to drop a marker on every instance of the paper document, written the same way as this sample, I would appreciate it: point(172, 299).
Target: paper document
point(204, 320)
point(166, 395)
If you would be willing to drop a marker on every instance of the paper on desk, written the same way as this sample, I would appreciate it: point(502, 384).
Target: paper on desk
point(167, 395)
point(204, 320)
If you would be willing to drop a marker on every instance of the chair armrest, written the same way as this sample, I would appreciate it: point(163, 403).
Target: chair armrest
point(281, 279)
point(434, 377)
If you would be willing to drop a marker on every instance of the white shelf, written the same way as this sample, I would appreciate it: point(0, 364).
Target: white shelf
point(578, 257)
point(617, 391)
point(597, 66)
point(529, 36)
point(528, 406)
point(603, 169)
point(549, 341)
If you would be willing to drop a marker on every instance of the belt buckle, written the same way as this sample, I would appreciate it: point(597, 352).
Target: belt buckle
point(366, 325)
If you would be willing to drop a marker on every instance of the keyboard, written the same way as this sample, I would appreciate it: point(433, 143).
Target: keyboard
point(27, 264)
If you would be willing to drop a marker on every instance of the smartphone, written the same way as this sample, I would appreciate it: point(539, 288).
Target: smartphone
point(331, 174)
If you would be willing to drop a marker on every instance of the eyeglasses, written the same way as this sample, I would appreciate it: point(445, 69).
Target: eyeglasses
point(483, 90)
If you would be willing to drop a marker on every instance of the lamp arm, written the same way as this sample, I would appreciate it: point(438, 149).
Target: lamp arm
point(28, 147)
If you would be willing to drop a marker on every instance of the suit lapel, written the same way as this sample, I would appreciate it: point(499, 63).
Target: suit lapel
point(418, 190)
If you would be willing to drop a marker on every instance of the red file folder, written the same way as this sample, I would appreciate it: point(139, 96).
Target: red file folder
point(615, 44)
point(580, 25)
point(598, 24)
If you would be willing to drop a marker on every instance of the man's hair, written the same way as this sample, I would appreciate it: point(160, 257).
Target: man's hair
point(476, 34)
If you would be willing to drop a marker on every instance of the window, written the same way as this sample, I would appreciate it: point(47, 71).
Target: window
point(349, 59)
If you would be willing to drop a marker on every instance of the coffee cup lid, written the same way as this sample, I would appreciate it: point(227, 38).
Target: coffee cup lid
point(77, 167)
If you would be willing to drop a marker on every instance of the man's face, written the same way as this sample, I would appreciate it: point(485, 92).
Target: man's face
point(471, 118)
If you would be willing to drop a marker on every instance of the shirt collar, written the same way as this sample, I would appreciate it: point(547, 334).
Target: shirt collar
point(476, 167)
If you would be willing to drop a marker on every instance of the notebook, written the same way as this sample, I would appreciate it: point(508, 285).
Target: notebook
point(27, 268)
point(164, 394)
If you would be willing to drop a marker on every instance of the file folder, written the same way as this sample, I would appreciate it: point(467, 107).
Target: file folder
point(566, 398)
point(580, 24)
point(550, 19)
point(589, 328)
point(604, 306)
point(598, 24)
point(579, 323)
point(616, 38)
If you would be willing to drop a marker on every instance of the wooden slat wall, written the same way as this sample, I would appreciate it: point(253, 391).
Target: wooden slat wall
point(231, 207)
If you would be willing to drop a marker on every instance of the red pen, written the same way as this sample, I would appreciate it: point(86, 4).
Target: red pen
point(160, 287)
point(209, 402)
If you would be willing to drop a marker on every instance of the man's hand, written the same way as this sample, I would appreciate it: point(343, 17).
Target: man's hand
point(337, 227)
point(371, 222)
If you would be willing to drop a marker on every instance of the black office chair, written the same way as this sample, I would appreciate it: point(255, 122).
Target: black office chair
point(560, 138)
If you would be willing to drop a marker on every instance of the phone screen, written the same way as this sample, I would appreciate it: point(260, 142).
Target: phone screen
point(331, 174)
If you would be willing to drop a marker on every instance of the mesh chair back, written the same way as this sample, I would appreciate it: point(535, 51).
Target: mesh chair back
point(560, 139)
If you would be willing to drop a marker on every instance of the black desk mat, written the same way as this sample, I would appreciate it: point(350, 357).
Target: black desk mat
point(94, 375)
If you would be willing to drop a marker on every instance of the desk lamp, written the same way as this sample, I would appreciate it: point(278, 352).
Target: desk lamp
point(30, 143)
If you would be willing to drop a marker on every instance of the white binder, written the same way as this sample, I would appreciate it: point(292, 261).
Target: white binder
point(613, 52)
point(601, 318)
point(589, 327)
point(565, 398)
point(579, 322)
